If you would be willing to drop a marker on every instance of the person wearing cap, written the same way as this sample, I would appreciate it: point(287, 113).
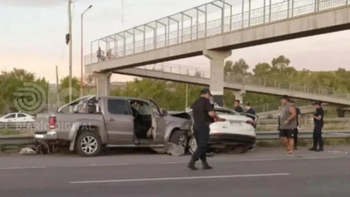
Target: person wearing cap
point(288, 123)
point(203, 116)
point(318, 125)
point(296, 130)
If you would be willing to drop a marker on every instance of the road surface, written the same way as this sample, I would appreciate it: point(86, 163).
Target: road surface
point(264, 172)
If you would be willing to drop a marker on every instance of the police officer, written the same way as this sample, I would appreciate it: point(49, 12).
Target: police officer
point(318, 125)
point(203, 116)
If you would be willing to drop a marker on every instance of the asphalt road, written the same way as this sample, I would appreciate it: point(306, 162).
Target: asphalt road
point(264, 172)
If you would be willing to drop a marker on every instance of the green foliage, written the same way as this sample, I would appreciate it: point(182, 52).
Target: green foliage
point(64, 88)
point(11, 82)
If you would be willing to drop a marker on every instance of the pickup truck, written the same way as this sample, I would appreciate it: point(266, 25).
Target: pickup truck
point(98, 122)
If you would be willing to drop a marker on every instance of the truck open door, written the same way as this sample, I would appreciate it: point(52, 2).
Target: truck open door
point(158, 122)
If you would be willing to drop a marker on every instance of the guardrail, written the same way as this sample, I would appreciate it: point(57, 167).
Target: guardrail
point(261, 135)
point(16, 125)
point(305, 120)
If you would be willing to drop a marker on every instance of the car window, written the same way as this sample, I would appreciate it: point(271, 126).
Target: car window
point(118, 106)
point(21, 116)
point(10, 116)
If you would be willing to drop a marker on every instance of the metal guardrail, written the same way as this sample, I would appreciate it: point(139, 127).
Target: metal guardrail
point(261, 135)
point(305, 121)
point(16, 125)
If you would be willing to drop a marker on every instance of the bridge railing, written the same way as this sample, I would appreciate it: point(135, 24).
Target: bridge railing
point(247, 80)
point(253, 17)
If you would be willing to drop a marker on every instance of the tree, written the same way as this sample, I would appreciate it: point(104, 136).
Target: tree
point(64, 89)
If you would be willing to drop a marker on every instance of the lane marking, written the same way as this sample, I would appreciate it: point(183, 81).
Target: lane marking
point(23, 168)
point(179, 178)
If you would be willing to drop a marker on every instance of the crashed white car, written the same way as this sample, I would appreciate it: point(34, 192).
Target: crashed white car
point(236, 134)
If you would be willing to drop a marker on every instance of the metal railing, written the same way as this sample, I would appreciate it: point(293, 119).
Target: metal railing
point(246, 80)
point(261, 135)
point(253, 17)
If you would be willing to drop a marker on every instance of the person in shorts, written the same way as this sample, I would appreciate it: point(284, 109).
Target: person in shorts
point(288, 123)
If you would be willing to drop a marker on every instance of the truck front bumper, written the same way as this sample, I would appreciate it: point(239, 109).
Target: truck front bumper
point(46, 135)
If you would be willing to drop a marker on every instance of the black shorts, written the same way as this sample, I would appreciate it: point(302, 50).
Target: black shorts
point(288, 133)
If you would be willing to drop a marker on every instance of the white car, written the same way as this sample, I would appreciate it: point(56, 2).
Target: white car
point(236, 134)
point(17, 117)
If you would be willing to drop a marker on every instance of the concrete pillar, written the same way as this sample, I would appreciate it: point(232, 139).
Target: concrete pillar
point(217, 60)
point(239, 95)
point(103, 82)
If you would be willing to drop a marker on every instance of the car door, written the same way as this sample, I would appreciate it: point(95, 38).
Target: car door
point(119, 122)
point(158, 122)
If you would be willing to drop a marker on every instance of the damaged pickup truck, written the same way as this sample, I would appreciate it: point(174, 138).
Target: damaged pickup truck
point(98, 122)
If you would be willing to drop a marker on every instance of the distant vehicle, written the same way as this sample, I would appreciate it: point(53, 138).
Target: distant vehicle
point(236, 134)
point(17, 117)
point(98, 122)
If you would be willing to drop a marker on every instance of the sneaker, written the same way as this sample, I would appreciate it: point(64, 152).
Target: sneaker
point(319, 150)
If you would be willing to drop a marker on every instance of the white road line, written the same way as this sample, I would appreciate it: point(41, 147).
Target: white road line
point(179, 178)
point(23, 168)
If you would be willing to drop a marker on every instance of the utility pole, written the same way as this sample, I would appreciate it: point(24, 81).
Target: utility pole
point(70, 48)
point(57, 90)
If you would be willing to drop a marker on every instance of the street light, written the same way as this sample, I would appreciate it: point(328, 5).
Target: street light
point(82, 53)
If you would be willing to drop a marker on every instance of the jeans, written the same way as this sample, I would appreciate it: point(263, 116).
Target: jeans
point(201, 134)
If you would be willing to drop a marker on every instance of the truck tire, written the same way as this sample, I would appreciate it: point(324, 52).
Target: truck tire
point(180, 138)
point(88, 144)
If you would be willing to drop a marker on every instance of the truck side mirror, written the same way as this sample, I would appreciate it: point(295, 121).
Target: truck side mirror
point(164, 112)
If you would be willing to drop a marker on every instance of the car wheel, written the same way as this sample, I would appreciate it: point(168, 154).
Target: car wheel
point(179, 138)
point(88, 144)
point(192, 145)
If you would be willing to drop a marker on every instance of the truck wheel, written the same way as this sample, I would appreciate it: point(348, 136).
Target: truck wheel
point(88, 144)
point(179, 138)
point(192, 145)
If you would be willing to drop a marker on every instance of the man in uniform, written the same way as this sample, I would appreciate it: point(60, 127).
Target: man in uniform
point(318, 125)
point(203, 116)
point(288, 123)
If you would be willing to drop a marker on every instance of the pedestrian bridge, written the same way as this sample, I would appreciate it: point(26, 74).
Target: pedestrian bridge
point(200, 76)
point(217, 25)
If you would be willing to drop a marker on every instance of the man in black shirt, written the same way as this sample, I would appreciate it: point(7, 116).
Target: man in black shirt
point(318, 125)
point(237, 105)
point(296, 130)
point(203, 116)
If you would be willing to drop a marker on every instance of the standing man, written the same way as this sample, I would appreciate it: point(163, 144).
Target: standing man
point(288, 123)
point(249, 108)
point(318, 125)
point(203, 116)
point(296, 130)
point(237, 106)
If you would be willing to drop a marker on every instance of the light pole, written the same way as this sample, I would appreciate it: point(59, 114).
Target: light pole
point(70, 50)
point(82, 52)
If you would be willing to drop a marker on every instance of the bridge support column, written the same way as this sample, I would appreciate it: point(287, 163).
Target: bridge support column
point(239, 95)
point(103, 81)
point(217, 59)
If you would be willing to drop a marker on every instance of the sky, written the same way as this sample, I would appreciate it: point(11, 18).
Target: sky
point(32, 36)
